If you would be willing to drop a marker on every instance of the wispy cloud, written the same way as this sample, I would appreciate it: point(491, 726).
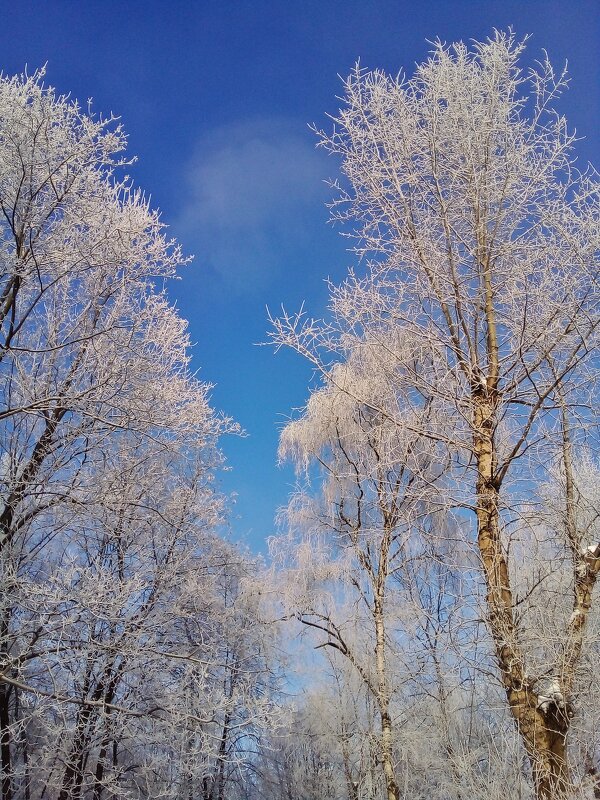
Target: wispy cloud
point(255, 189)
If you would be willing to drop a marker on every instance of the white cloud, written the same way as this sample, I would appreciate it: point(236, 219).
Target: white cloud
point(255, 188)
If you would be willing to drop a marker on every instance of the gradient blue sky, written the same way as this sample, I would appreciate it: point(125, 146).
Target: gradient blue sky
point(216, 98)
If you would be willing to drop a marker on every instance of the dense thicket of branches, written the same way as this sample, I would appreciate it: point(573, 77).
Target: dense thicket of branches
point(131, 660)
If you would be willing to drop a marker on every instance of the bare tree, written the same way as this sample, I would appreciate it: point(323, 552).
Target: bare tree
point(481, 296)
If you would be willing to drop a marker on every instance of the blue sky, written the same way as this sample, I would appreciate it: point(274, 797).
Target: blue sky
point(217, 98)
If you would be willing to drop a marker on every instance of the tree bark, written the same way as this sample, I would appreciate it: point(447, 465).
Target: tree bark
point(383, 699)
point(76, 760)
point(5, 754)
point(543, 729)
point(5, 734)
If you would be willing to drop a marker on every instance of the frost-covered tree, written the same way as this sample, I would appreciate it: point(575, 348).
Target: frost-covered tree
point(480, 292)
point(348, 553)
point(89, 346)
point(124, 672)
point(87, 634)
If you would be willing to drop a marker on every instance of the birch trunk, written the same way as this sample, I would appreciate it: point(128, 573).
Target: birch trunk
point(383, 699)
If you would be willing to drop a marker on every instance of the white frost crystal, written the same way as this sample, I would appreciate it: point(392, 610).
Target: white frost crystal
point(552, 695)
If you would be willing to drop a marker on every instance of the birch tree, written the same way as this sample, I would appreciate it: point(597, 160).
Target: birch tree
point(480, 239)
point(379, 487)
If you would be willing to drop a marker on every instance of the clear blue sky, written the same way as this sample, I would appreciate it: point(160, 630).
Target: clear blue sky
point(216, 97)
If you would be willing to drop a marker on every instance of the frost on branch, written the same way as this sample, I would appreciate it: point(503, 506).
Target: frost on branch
point(551, 697)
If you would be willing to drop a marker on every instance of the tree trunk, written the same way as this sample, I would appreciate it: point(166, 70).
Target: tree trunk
point(543, 726)
point(383, 699)
point(393, 792)
point(5, 754)
point(5, 692)
point(220, 777)
point(76, 760)
point(101, 763)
